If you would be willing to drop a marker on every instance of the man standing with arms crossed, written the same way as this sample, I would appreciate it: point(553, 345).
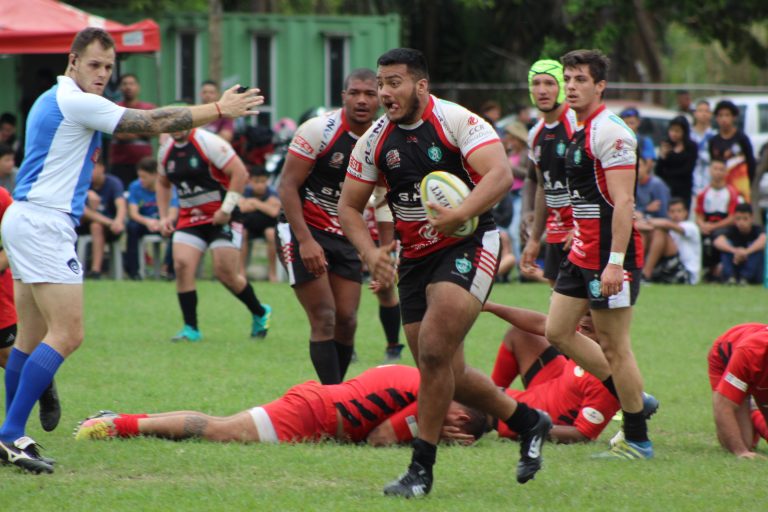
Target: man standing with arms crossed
point(63, 142)
point(548, 141)
point(443, 281)
point(602, 273)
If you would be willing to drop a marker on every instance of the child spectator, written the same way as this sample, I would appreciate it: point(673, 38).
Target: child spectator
point(715, 206)
point(742, 248)
point(674, 252)
point(260, 206)
point(677, 159)
point(144, 217)
point(733, 146)
point(701, 133)
point(652, 195)
point(8, 167)
point(104, 215)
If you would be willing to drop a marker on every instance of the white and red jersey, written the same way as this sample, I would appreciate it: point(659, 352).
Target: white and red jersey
point(605, 144)
point(443, 139)
point(715, 204)
point(570, 395)
point(547, 143)
point(327, 141)
point(196, 169)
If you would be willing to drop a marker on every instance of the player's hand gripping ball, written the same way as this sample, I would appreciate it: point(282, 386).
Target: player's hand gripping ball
point(446, 189)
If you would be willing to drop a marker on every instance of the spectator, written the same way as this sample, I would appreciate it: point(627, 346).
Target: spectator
point(674, 252)
point(8, 167)
point(127, 149)
point(677, 159)
point(516, 143)
point(104, 215)
point(684, 102)
point(715, 206)
point(524, 117)
point(223, 127)
point(701, 133)
point(733, 147)
point(260, 206)
point(144, 217)
point(491, 112)
point(631, 116)
point(742, 248)
point(652, 196)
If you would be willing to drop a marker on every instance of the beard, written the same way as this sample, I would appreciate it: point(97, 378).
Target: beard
point(412, 111)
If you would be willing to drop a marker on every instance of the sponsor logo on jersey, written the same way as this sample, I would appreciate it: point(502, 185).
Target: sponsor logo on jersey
point(412, 139)
point(393, 159)
point(301, 143)
point(74, 265)
point(355, 168)
point(337, 159)
point(594, 288)
point(194, 161)
point(577, 156)
point(560, 149)
point(435, 153)
point(427, 232)
point(593, 415)
point(463, 265)
point(578, 371)
point(472, 120)
point(618, 145)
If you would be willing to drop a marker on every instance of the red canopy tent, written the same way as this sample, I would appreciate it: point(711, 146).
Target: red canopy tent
point(48, 26)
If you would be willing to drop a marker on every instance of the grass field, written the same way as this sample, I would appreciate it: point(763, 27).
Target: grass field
point(128, 364)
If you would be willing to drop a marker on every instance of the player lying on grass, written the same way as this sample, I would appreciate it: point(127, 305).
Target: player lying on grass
point(377, 407)
point(738, 370)
point(578, 403)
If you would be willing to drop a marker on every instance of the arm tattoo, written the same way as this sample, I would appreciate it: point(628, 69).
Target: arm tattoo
point(160, 120)
point(194, 426)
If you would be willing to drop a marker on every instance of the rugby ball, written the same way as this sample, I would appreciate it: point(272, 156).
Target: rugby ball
point(446, 189)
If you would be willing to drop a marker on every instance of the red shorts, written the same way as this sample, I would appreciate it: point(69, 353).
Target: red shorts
point(7, 309)
point(304, 413)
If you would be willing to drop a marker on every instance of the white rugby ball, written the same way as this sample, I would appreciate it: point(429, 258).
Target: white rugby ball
point(446, 189)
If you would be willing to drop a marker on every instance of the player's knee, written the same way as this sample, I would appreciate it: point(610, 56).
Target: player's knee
point(227, 274)
point(323, 318)
point(346, 321)
point(433, 358)
point(556, 335)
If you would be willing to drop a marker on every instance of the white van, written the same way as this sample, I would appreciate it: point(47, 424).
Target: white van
point(753, 116)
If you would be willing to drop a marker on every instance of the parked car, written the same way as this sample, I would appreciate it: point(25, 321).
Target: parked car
point(654, 119)
point(753, 116)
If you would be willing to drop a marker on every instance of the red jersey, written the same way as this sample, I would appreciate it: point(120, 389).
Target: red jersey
point(7, 307)
point(715, 204)
point(747, 370)
point(570, 395)
point(547, 145)
point(196, 169)
point(326, 141)
point(722, 349)
point(129, 152)
point(605, 144)
point(443, 139)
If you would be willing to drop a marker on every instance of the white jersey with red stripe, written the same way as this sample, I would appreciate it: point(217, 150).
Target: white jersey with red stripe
point(196, 169)
point(327, 141)
point(443, 139)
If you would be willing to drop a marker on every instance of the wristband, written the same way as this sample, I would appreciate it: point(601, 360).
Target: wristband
point(218, 109)
point(616, 258)
point(230, 201)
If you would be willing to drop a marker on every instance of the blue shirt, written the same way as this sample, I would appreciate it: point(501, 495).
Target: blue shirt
point(110, 190)
point(652, 190)
point(146, 200)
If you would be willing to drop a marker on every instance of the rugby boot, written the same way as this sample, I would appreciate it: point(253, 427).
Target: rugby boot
point(23, 454)
point(50, 408)
point(531, 443)
point(414, 483)
point(261, 324)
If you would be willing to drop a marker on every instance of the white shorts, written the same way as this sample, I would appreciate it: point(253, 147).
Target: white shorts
point(209, 236)
point(264, 425)
point(40, 243)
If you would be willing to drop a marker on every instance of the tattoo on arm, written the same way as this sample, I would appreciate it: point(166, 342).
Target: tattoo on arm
point(194, 426)
point(160, 120)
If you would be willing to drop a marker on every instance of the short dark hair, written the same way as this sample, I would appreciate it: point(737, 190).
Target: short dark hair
point(128, 75)
point(744, 208)
point(147, 164)
point(717, 160)
point(87, 36)
point(413, 59)
point(8, 118)
point(255, 171)
point(5, 149)
point(364, 74)
point(596, 60)
point(489, 105)
point(728, 105)
point(703, 102)
point(677, 200)
point(210, 82)
point(477, 424)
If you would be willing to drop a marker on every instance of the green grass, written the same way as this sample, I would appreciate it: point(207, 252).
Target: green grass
point(128, 364)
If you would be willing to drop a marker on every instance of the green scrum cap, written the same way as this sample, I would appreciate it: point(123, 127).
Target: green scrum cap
point(547, 67)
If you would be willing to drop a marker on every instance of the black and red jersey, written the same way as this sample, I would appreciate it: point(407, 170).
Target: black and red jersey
point(604, 145)
point(196, 169)
point(327, 141)
point(442, 140)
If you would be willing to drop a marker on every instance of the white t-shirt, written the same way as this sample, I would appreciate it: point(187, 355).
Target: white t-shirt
point(689, 247)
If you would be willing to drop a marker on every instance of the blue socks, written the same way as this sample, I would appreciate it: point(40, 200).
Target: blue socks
point(12, 374)
point(35, 376)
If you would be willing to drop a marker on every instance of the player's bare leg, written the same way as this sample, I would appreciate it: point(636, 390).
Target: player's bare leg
point(661, 245)
point(226, 268)
point(98, 243)
point(316, 297)
point(564, 316)
point(346, 296)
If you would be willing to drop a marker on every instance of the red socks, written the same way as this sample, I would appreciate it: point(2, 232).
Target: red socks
point(505, 368)
point(127, 425)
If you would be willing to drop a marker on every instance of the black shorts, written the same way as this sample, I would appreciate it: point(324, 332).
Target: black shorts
point(7, 336)
point(582, 283)
point(212, 236)
point(554, 254)
point(471, 264)
point(341, 255)
point(256, 223)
